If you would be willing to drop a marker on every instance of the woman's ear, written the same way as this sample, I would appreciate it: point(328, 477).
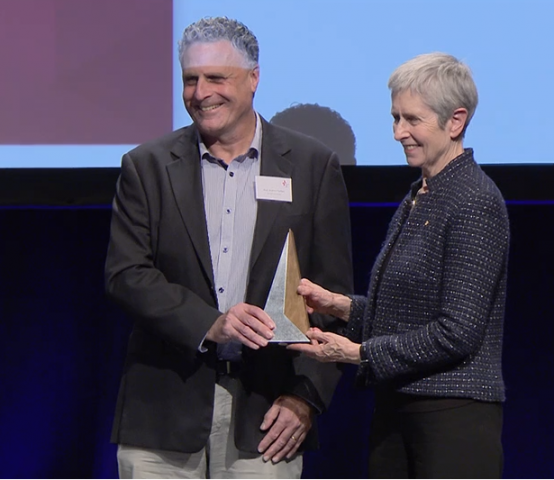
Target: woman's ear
point(457, 122)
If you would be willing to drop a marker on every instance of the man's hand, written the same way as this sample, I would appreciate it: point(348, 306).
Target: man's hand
point(328, 347)
point(243, 323)
point(287, 422)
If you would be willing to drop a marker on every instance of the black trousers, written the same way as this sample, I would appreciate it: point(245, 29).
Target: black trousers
point(425, 437)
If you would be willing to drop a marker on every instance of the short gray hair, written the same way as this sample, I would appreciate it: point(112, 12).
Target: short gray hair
point(217, 29)
point(443, 82)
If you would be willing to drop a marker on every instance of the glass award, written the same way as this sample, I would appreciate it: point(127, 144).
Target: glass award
point(286, 307)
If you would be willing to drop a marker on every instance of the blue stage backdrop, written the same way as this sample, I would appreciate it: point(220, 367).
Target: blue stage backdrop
point(62, 346)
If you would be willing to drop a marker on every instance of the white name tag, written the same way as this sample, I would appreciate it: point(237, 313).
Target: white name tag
point(278, 189)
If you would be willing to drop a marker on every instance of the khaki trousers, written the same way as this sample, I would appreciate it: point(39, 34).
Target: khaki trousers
point(219, 459)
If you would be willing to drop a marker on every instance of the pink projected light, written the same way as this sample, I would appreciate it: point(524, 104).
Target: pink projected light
point(85, 72)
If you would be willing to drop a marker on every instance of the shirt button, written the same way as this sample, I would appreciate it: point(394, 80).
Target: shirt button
point(228, 210)
point(220, 289)
point(225, 249)
point(231, 174)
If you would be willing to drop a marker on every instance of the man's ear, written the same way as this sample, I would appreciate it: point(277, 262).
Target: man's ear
point(254, 78)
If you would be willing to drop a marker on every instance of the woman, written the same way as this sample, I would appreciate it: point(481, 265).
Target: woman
point(428, 336)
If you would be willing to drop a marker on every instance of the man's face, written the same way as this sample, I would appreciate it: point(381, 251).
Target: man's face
point(218, 89)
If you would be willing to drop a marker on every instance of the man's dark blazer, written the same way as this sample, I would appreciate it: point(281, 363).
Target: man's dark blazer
point(159, 271)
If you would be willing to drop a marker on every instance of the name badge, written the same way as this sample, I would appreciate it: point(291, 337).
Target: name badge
point(278, 189)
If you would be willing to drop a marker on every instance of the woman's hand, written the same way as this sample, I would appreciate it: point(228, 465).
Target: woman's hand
point(328, 347)
point(323, 301)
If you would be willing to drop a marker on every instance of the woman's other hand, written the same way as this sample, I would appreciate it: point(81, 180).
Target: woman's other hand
point(328, 347)
point(318, 299)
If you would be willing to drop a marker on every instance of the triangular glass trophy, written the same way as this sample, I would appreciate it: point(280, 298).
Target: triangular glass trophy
point(286, 308)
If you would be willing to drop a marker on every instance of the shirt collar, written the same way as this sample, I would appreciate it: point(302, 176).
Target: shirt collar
point(253, 151)
point(461, 161)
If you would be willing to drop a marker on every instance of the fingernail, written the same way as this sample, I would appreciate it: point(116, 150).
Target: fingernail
point(265, 459)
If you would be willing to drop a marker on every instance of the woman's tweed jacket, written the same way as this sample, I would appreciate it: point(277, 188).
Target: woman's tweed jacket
point(433, 318)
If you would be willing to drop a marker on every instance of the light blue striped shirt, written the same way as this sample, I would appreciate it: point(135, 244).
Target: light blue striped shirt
point(231, 208)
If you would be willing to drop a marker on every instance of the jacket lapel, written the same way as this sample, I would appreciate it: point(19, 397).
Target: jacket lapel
point(394, 231)
point(185, 177)
point(273, 164)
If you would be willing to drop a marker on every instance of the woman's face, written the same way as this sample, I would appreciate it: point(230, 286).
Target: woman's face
point(426, 145)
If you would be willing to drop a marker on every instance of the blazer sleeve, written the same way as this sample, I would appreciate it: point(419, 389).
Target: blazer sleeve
point(168, 310)
point(330, 267)
point(355, 326)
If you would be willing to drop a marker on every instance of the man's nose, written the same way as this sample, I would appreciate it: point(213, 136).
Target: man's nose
point(202, 89)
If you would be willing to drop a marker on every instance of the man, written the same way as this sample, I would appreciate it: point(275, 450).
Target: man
point(193, 250)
